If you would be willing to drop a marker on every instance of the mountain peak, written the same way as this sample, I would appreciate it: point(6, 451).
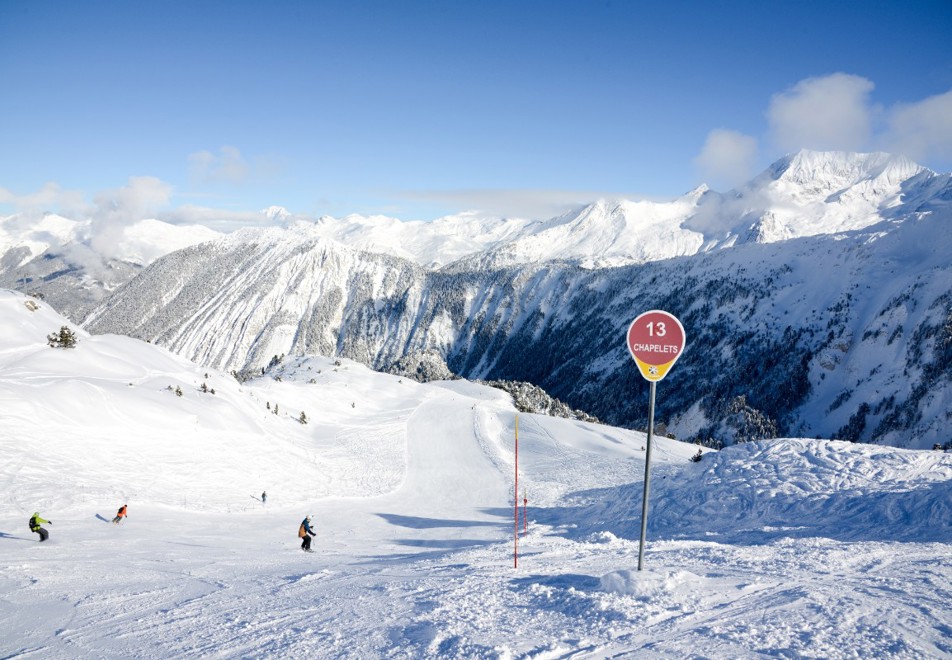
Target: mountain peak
point(695, 194)
point(841, 168)
point(273, 213)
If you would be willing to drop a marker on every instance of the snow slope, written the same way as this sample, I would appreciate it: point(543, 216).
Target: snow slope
point(788, 547)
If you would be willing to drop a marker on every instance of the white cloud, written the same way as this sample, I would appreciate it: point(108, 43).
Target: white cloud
point(139, 199)
point(532, 204)
point(836, 113)
point(115, 209)
point(228, 166)
point(218, 219)
point(728, 158)
point(50, 198)
point(832, 113)
point(922, 130)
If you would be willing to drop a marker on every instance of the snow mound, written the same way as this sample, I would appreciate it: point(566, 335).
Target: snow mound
point(800, 487)
point(649, 585)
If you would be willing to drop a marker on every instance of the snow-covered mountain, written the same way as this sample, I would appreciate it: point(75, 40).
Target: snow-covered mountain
point(840, 549)
point(75, 263)
point(812, 193)
point(603, 234)
point(806, 194)
point(816, 299)
point(429, 244)
point(845, 335)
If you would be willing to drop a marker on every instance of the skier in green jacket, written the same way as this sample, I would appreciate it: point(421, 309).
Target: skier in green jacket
point(35, 523)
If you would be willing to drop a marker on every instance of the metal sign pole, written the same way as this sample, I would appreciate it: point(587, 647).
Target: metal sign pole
point(655, 340)
point(644, 502)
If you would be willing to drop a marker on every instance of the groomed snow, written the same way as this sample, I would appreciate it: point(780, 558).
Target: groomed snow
point(788, 548)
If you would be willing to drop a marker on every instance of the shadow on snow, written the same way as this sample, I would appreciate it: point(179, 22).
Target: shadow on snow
point(746, 515)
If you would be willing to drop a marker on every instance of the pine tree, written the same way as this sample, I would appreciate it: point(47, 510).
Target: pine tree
point(65, 338)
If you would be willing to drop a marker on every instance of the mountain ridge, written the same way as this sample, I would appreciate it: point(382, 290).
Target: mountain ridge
point(825, 318)
point(802, 194)
point(812, 351)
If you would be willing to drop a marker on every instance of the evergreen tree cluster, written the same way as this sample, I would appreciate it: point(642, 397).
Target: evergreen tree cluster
point(65, 338)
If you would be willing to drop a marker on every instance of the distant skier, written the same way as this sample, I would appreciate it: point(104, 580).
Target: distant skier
point(305, 532)
point(264, 497)
point(120, 514)
point(35, 523)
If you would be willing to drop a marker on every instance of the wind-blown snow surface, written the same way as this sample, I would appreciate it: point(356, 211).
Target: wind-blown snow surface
point(786, 547)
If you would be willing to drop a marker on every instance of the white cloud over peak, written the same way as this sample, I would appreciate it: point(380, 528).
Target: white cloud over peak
point(830, 113)
point(835, 113)
point(923, 130)
point(138, 199)
point(727, 158)
point(115, 209)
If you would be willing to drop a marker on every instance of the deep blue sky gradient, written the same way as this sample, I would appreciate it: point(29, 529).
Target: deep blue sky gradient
point(404, 107)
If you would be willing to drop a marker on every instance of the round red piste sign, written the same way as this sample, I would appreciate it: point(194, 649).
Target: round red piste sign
point(655, 341)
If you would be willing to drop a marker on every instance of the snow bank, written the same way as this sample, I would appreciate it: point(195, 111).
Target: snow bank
point(649, 585)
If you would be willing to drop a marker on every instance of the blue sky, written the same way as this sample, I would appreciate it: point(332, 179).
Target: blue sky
point(192, 110)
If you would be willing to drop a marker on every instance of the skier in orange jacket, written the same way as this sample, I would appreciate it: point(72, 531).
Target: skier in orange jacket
point(120, 515)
